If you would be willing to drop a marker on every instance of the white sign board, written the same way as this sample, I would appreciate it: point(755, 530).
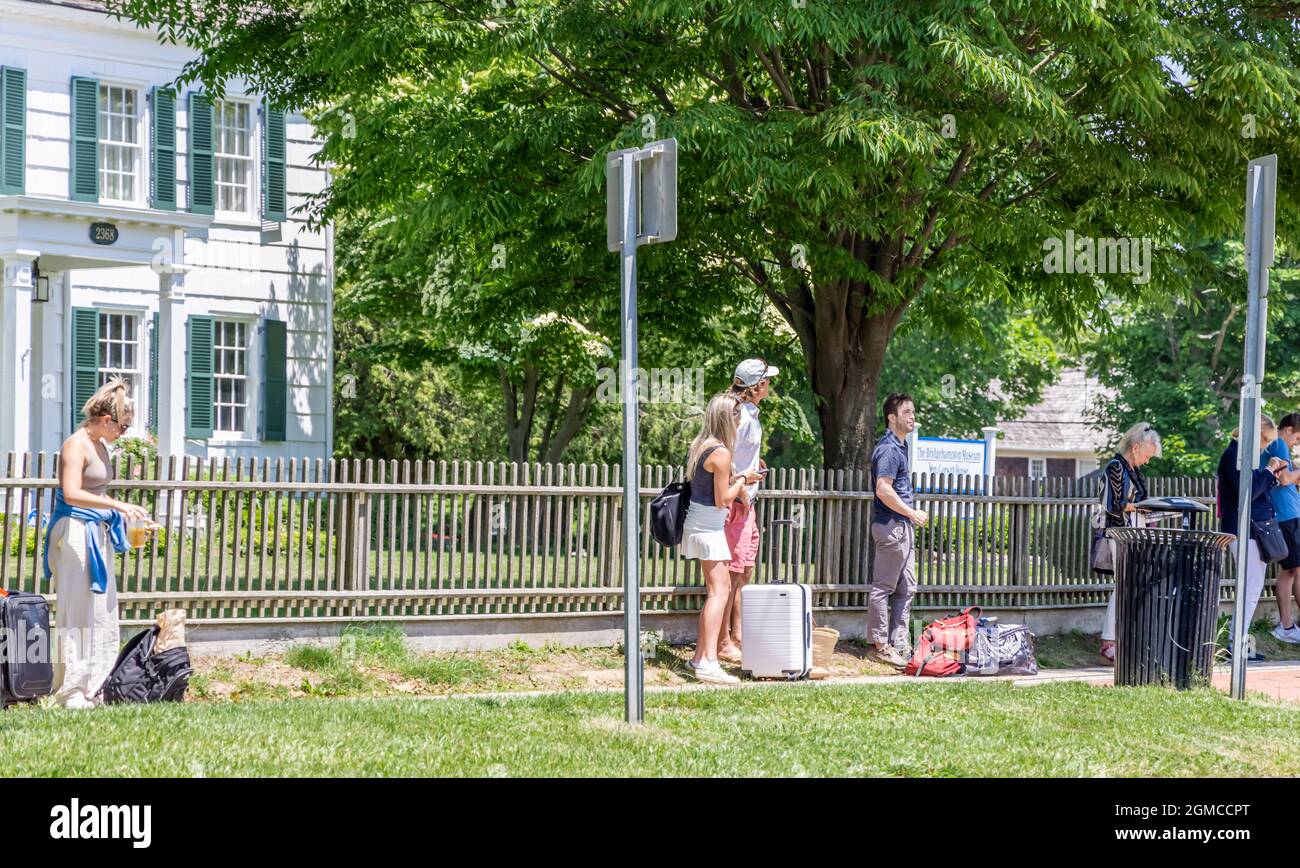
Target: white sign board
point(941, 455)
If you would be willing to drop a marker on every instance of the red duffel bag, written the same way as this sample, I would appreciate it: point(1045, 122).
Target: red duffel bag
point(943, 644)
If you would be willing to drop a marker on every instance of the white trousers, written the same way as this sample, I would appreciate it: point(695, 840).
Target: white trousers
point(1255, 568)
point(86, 631)
point(1108, 625)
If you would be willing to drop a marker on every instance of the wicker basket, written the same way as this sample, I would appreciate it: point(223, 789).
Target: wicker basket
point(823, 642)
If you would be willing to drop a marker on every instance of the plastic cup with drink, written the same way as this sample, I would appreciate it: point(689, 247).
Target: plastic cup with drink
point(138, 530)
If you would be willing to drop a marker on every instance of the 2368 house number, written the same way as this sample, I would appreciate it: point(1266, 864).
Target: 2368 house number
point(103, 233)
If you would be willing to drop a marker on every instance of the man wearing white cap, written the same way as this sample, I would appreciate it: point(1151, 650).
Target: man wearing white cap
point(751, 386)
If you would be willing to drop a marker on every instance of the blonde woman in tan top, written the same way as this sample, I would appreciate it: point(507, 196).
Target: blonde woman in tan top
point(86, 528)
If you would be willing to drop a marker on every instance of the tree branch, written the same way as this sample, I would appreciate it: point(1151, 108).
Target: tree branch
point(777, 79)
point(1032, 191)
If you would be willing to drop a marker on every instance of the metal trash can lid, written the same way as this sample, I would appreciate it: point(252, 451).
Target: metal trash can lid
point(1171, 504)
point(1170, 536)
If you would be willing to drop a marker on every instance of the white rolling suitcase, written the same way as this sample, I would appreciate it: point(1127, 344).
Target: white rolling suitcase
point(777, 625)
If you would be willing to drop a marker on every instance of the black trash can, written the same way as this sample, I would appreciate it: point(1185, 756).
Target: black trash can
point(1167, 598)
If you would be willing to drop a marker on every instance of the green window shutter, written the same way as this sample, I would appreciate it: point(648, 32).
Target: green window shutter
point(198, 377)
point(201, 161)
point(13, 129)
point(273, 165)
point(162, 174)
point(153, 377)
point(85, 359)
point(85, 140)
point(275, 381)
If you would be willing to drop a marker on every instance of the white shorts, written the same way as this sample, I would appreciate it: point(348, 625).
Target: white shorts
point(703, 537)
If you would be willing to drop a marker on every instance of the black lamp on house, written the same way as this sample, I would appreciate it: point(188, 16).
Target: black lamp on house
point(42, 283)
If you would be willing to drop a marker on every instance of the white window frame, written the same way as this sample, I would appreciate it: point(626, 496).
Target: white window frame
point(252, 380)
point(143, 144)
point(254, 211)
point(140, 387)
point(1084, 466)
point(1043, 463)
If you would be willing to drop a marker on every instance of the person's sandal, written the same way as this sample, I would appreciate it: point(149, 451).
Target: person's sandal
point(730, 657)
point(1107, 653)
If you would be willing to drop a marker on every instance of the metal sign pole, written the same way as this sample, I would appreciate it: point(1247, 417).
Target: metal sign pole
point(640, 208)
point(634, 676)
point(1261, 188)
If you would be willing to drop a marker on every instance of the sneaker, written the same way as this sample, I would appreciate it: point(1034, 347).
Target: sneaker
point(887, 655)
point(1290, 635)
point(710, 672)
point(1250, 658)
point(76, 700)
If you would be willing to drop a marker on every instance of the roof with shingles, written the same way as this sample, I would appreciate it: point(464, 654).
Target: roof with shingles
point(1060, 420)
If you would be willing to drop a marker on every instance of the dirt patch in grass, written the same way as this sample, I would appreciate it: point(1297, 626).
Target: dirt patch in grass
point(385, 666)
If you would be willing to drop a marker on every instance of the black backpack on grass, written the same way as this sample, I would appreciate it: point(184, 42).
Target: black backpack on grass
point(139, 675)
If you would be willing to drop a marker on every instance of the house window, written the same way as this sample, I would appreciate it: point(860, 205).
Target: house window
point(1084, 466)
point(230, 376)
point(1037, 468)
point(119, 351)
point(232, 142)
point(119, 143)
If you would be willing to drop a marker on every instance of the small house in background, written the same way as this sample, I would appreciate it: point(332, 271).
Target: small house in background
point(1054, 438)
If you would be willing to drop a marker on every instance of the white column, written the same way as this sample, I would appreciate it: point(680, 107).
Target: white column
point(171, 365)
point(49, 380)
point(911, 448)
point(991, 450)
point(16, 353)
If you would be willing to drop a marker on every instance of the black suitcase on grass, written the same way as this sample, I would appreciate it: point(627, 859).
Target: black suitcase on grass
point(26, 671)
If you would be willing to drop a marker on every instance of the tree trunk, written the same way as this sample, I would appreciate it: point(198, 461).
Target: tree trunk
point(519, 412)
point(847, 380)
point(575, 416)
point(843, 345)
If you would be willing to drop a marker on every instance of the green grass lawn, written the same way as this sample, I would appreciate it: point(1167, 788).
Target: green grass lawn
point(911, 729)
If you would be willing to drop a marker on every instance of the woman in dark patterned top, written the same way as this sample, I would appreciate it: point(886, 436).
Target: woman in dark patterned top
point(1125, 486)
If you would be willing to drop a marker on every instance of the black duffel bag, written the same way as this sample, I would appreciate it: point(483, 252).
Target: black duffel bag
point(139, 675)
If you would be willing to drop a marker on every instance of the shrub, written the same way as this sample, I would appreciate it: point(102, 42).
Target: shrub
point(22, 539)
point(977, 534)
point(134, 450)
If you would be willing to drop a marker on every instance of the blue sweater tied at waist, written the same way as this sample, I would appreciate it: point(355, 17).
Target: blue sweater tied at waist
point(94, 555)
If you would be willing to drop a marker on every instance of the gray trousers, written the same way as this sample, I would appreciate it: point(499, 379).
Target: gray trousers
point(893, 583)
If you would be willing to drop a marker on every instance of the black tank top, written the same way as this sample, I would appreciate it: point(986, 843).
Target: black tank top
point(702, 481)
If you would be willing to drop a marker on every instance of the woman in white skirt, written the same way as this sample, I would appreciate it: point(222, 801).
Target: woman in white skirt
point(86, 528)
point(713, 488)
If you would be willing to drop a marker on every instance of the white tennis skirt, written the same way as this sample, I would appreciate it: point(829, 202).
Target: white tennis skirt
point(702, 535)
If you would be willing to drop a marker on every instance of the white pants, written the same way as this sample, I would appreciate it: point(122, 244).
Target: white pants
point(86, 630)
point(1108, 625)
point(1255, 568)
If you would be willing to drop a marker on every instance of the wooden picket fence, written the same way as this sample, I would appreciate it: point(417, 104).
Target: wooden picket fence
point(342, 540)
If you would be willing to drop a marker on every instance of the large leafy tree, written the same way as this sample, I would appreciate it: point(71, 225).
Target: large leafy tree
point(840, 156)
point(1177, 362)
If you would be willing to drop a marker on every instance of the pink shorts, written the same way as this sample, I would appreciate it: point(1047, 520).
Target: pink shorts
point(742, 535)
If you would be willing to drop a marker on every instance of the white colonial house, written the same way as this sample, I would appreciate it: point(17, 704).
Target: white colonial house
point(150, 233)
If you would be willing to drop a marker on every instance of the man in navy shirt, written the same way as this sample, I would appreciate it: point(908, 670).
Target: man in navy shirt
point(892, 528)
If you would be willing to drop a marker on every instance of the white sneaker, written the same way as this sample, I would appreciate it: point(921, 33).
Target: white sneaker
point(76, 700)
point(1290, 635)
point(711, 673)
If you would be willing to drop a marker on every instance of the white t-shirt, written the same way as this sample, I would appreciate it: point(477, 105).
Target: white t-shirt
point(749, 439)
